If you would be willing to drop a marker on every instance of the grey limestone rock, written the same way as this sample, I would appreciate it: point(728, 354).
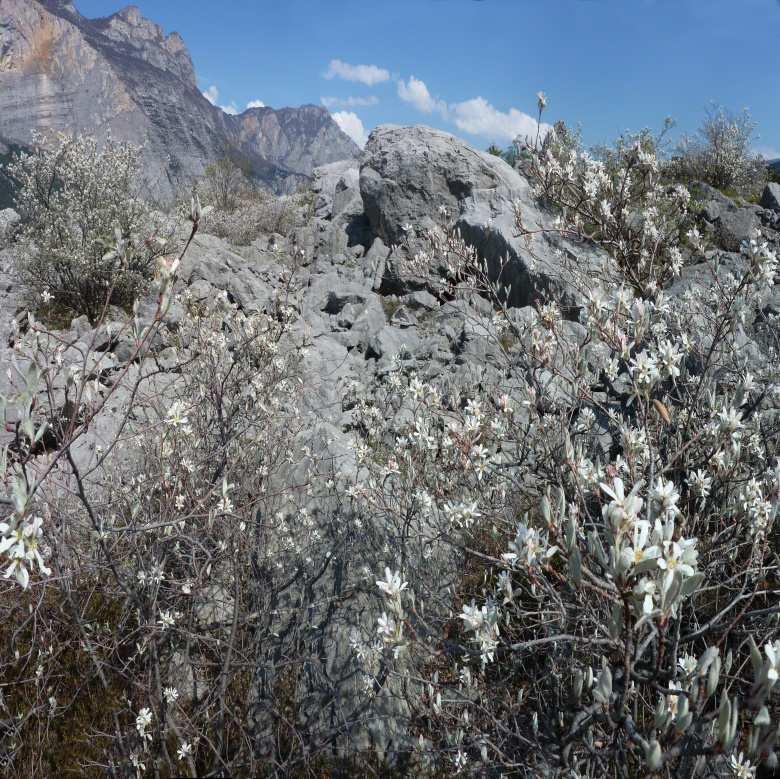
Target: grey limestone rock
point(63, 72)
point(416, 177)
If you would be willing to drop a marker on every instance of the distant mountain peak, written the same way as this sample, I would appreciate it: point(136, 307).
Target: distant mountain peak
point(122, 74)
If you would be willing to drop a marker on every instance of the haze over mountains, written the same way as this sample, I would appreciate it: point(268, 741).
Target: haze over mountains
point(60, 71)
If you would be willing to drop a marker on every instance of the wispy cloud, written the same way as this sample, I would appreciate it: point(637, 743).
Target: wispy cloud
point(255, 104)
point(416, 93)
point(349, 102)
point(352, 125)
point(475, 116)
point(478, 117)
point(363, 74)
point(212, 95)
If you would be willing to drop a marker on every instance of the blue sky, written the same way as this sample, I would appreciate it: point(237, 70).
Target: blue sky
point(473, 67)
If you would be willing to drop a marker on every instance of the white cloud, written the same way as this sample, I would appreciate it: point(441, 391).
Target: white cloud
point(349, 102)
point(255, 104)
point(350, 123)
point(364, 74)
point(478, 117)
point(475, 116)
point(416, 92)
point(211, 94)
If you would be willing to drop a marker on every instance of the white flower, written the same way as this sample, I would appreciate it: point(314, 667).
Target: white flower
point(669, 358)
point(772, 651)
point(167, 620)
point(646, 589)
point(541, 100)
point(386, 626)
point(687, 663)
point(184, 751)
point(678, 556)
point(638, 554)
point(741, 767)
point(21, 543)
point(700, 483)
point(171, 694)
point(177, 416)
point(473, 616)
point(142, 722)
point(46, 297)
point(392, 586)
point(665, 495)
point(644, 370)
point(623, 509)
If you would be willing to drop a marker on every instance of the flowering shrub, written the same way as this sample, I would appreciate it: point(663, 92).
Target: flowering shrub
point(145, 563)
point(87, 238)
point(581, 541)
point(224, 184)
point(260, 214)
point(721, 155)
point(241, 213)
point(619, 200)
point(577, 535)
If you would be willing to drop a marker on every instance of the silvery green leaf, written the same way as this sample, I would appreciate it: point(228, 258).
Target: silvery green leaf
point(19, 494)
point(734, 721)
point(661, 714)
point(41, 431)
point(644, 567)
point(597, 548)
point(713, 676)
point(577, 686)
point(691, 584)
point(616, 622)
point(762, 718)
point(682, 706)
point(672, 592)
point(570, 534)
point(546, 512)
point(756, 659)
point(654, 756)
point(603, 690)
point(575, 567)
point(706, 659)
point(683, 723)
point(28, 428)
point(724, 716)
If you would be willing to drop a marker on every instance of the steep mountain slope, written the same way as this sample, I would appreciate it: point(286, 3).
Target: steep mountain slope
point(62, 72)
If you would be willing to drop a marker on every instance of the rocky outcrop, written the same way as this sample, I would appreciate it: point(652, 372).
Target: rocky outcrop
point(771, 197)
point(352, 325)
point(121, 75)
point(9, 220)
point(414, 178)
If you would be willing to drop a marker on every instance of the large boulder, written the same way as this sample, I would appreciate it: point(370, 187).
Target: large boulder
point(9, 221)
point(771, 196)
point(338, 210)
point(728, 223)
point(413, 178)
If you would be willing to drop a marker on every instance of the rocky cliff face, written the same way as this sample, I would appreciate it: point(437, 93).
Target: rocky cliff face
point(122, 75)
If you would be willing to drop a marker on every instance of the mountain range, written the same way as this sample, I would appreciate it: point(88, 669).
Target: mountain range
point(60, 71)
